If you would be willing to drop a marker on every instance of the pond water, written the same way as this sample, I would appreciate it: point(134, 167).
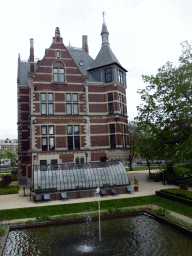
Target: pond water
point(138, 235)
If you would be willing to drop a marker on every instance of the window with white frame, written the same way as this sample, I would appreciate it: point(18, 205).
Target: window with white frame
point(47, 106)
point(48, 139)
point(72, 107)
point(73, 138)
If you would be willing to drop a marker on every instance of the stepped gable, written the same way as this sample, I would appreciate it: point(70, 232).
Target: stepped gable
point(45, 68)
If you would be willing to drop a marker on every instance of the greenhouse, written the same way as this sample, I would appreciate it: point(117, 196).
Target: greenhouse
point(68, 177)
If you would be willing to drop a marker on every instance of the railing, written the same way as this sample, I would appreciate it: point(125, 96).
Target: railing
point(66, 177)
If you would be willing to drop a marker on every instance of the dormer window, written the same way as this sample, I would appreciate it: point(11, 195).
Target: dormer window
point(81, 63)
point(108, 75)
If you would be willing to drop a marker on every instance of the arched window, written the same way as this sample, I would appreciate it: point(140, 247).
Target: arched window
point(58, 72)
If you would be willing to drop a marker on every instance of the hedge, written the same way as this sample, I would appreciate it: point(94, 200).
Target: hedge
point(180, 195)
point(9, 190)
point(178, 192)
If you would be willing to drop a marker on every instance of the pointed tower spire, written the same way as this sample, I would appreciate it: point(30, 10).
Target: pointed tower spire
point(104, 32)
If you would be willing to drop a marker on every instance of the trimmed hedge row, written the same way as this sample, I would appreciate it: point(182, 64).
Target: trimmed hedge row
point(9, 190)
point(179, 195)
point(179, 192)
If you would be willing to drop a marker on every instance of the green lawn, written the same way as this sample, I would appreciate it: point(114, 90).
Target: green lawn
point(6, 170)
point(93, 206)
point(3, 230)
point(138, 168)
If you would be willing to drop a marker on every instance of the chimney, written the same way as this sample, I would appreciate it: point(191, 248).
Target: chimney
point(31, 56)
point(85, 44)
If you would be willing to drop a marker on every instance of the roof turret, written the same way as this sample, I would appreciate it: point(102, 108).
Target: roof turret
point(105, 56)
point(104, 32)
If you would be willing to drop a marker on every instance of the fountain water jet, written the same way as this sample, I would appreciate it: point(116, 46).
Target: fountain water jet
point(97, 192)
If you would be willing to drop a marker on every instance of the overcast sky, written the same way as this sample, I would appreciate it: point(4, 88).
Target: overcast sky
point(143, 34)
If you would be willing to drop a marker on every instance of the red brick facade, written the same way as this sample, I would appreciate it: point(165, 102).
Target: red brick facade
point(63, 117)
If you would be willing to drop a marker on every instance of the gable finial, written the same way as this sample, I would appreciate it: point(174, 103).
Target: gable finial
point(57, 32)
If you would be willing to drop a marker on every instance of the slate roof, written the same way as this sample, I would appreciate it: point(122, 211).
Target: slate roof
point(24, 69)
point(79, 55)
point(104, 29)
point(104, 57)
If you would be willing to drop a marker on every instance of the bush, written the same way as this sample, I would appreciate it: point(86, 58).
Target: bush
point(15, 177)
point(161, 212)
point(179, 172)
point(5, 181)
point(182, 171)
point(155, 177)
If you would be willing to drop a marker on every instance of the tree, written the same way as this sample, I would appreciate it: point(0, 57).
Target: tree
point(11, 155)
point(133, 141)
point(166, 112)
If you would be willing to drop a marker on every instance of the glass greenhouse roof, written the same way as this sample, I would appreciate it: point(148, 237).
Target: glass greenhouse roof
point(88, 176)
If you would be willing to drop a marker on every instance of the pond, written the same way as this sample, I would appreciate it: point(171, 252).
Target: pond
point(138, 235)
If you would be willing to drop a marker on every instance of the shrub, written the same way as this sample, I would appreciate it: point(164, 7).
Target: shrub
point(15, 177)
point(161, 212)
point(155, 177)
point(5, 181)
point(112, 210)
point(15, 172)
point(43, 218)
point(179, 172)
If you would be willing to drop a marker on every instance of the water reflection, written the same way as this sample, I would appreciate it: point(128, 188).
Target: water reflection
point(139, 235)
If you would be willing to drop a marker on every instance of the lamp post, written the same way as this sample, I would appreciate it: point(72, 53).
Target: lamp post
point(86, 155)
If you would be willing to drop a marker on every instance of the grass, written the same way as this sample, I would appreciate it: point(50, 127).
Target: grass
point(32, 212)
point(168, 216)
point(138, 168)
point(6, 170)
point(3, 230)
point(9, 190)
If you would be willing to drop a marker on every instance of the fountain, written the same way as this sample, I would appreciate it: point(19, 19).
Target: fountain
point(97, 192)
point(135, 235)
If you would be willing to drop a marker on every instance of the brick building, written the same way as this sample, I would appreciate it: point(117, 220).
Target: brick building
point(71, 108)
